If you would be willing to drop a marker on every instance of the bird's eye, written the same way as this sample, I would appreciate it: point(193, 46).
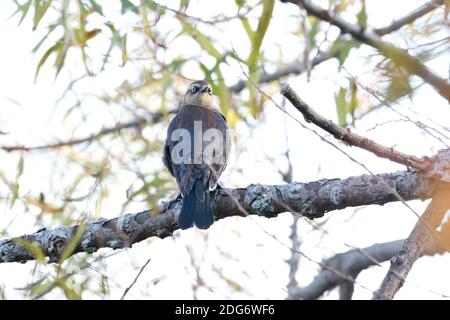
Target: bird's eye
point(209, 91)
point(194, 89)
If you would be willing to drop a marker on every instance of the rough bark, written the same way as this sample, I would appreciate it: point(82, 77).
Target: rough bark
point(353, 262)
point(412, 248)
point(351, 138)
point(311, 200)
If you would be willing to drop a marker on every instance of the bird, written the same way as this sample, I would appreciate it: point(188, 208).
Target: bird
point(196, 153)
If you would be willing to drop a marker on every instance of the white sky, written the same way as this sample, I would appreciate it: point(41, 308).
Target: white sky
point(36, 120)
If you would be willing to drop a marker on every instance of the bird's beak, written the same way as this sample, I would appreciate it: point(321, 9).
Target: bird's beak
point(204, 88)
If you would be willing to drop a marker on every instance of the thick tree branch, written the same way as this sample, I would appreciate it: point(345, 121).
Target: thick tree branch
point(412, 248)
point(352, 138)
point(399, 56)
point(352, 262)
point(311, 200)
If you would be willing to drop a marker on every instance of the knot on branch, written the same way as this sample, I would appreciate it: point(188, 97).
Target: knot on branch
point(57, 241)
point(439, 166)
point(5, 247)
point(263, 200)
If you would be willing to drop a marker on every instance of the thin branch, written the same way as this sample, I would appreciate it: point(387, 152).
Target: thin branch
point(135, 280)
point(412, 248)
point(409, 18)
point(297, 68)
point(353, 262)
point(399, 56)
point(294, 68)
point(349, 137)
point(150, 118)
point(311, 200)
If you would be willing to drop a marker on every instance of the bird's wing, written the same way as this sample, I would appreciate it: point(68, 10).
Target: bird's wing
point(218, 168)
point(167, 159)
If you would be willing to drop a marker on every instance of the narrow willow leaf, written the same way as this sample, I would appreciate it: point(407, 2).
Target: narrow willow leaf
point(258, 37)
point(315, 23)
point(40, 11)
point(60, 58)
point(362, 15)
point(123, 47)
point(70, 293)
point(128, 6)
point(73, 243)
point(33, 249)
point(202, 40)
point(39, 44)
point(24, 8)
point(20, 166)
point(354, 103)
point(398, 87)
point(97, 8)
point(56, 47)
point(247, 28)
point(342, 48)
point(341, 108)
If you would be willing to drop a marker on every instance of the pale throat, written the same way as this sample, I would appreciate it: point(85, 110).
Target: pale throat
point(204, 100)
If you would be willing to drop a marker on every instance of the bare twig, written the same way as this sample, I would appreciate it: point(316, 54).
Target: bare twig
point(349, 137)
point(296, 68)
point(409, 18)
point(151, 118)
point(399, 56)
point(135, 280)
point(412, 248)
point(354, 261)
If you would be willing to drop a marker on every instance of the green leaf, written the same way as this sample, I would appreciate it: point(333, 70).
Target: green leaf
point(123, 47)
point(56, 47)
point(398, 86)
point(39, 44)
point(60, 57)
point(34, 249)
point(70, 293)
point(15, 194)
point(342, 48)
point(24, 8)
point(341, 107)
point(258, 37)
point(20, 167)
point(97, 8)
point(128, 6)
point(71, 246)
point(202, 40)
point(362, 15)
point(353, 100)
point(313, 31)
point(247, 27)
point(40, 11)
point(184, 4)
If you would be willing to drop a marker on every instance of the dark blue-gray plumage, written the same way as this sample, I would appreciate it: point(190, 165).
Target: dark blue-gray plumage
point(196, 179)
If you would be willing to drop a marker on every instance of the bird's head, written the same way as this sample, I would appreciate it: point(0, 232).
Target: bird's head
point(199, 93)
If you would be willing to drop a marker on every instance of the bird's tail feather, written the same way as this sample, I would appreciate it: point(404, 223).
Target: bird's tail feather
point(196, 208)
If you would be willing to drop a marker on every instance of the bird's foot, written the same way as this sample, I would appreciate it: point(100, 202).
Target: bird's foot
point(178, 198)
point(219, 186)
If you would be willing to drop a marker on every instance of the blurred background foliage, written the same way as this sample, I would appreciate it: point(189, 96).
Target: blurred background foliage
point(160, 48)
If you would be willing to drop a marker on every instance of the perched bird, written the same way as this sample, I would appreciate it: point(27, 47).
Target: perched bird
point(196, 153)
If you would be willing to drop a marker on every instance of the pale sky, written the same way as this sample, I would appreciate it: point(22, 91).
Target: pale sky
point(30, 116)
